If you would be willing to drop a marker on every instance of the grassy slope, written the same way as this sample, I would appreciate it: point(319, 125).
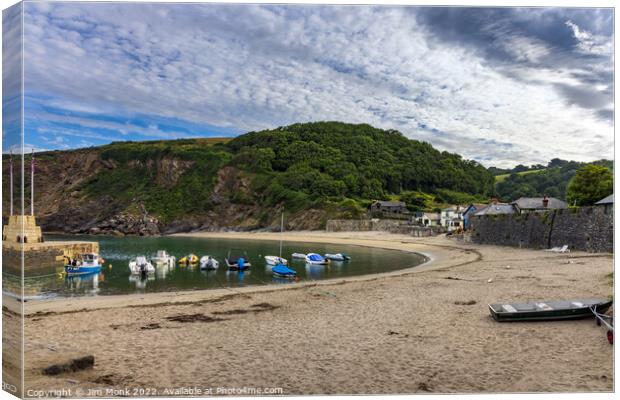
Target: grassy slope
point(501, 178)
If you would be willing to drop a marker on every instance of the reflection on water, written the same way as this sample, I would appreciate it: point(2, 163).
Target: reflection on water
point(140, 281)
point(85, 284)
point(315, 271)
point(115, 277)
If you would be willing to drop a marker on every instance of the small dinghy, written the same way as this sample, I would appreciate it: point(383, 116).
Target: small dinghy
point(299, 255)
point(88, 263)
point(141, 266)
point(275, 260)
point(315, 259)
point(282, 271)
point(208, 262)
point(548, 310)
point(337, 257)
point(163, 258)
point(189, 259)
point(237, 261)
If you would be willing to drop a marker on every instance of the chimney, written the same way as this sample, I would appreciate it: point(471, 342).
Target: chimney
point(545, 202)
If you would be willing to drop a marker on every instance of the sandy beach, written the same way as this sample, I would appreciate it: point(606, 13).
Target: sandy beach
point(418, 330)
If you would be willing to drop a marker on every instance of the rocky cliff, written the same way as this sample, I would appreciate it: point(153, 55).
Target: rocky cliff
point(69, 196)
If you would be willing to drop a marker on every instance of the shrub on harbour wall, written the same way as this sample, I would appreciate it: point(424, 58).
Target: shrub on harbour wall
point(586, 228)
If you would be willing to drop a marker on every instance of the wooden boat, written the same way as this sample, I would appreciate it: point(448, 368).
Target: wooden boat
point(548, 310)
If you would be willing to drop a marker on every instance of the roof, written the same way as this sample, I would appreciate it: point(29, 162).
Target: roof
point(390, 203)
point(432, 215)
point(607, 200)
point(475, 206)
point(534, 203)
point(494, 209)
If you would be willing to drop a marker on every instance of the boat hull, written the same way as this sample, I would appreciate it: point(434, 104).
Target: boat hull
point(554, 310)
point(235, 266)
point(282, 271)
point(82, 270)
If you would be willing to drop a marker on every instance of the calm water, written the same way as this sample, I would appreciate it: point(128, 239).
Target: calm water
point(118, 251)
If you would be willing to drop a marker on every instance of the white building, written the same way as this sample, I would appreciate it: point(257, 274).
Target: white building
point(452, 217)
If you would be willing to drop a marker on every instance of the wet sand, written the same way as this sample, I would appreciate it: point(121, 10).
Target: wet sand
point(419, 330)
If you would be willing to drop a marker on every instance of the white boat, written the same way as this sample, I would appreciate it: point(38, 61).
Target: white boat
point(208, 262)
point(315, 259)
point(337, 257)
point(275, 260)
point(141, 266)
point(298, 255)
point(163, 258)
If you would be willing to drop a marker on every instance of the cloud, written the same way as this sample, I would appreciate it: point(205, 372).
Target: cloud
point(589, 43)
point(502, 86)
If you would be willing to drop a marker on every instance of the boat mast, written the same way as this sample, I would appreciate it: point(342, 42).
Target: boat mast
point(281, 232)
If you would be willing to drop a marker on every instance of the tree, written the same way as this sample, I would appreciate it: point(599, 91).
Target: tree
point(590, 184)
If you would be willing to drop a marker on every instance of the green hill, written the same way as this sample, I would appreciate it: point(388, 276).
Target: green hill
point(313, 171)
point(551, 181)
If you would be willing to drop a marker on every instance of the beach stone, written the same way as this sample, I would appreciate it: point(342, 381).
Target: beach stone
point(74, 364)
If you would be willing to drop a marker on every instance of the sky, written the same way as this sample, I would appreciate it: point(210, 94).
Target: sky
point(502, 86)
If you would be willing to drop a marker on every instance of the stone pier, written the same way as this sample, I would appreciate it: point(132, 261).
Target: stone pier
point(21, 237)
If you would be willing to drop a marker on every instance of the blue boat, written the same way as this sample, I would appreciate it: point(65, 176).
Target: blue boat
point(282, 271)
point(88, 263)
point(237, 262)
point(315, 259)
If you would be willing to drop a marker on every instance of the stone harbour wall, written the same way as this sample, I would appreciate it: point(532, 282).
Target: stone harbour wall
point(388, 225)
point(361, 225)
point(585, 228)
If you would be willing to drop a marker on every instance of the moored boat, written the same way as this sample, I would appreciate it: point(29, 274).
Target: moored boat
point(189, 259)
point(88, 263)
point(315, 259)
point(208, 262)
point(337, 257)
point(237, 260)
point(275, 260)
point(163, 258)
point(283, 271)
point(548, 310)
point(299, 255)
point(141, 266)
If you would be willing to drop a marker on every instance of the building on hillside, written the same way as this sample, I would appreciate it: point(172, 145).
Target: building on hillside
point(427, 218)
point(607, 202)
point(451, 218)
point(538, 204)
point(392, 207)
point(469, 211)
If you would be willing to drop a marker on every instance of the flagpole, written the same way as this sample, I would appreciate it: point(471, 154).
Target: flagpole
point(11, 180)
point(32, 184)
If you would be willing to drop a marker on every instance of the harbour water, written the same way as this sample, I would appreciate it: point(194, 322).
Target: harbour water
point(118, 251)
